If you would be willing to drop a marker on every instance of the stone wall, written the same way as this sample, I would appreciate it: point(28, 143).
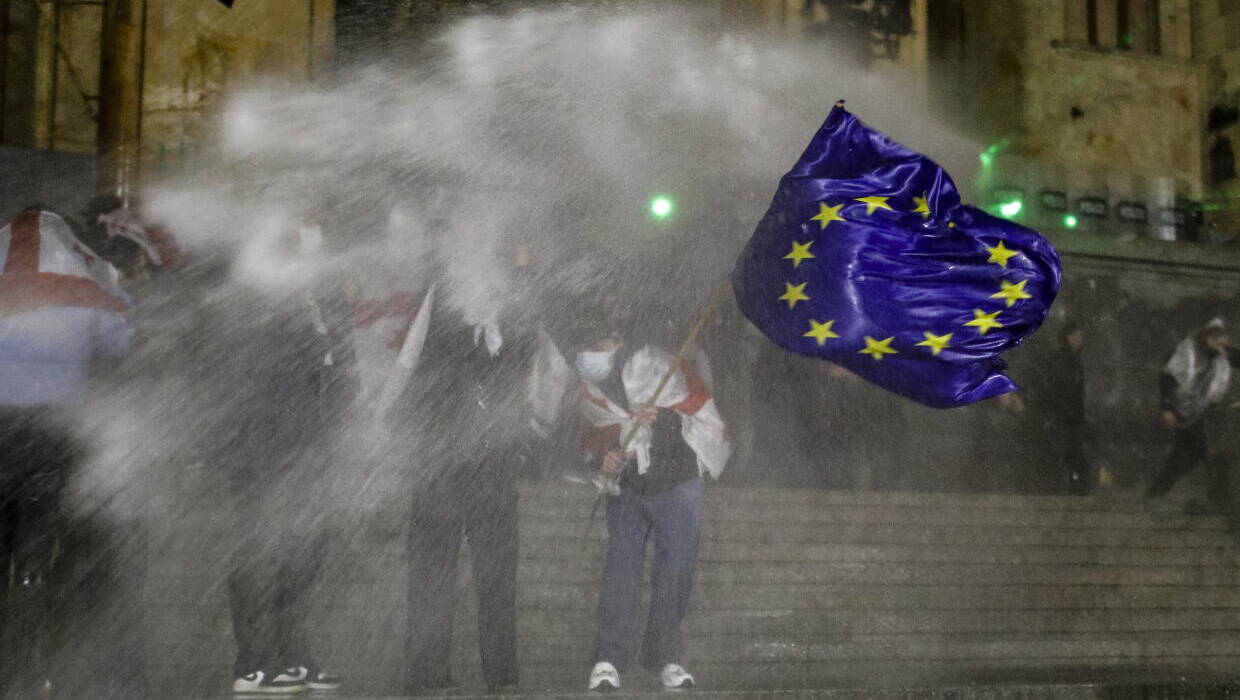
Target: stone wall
point(195, 52)
point(1026, 79)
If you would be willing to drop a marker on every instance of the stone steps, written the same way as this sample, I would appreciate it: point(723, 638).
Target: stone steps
point(795, 589)
point(211, 617)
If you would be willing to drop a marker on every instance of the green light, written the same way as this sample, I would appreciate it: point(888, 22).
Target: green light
point(1012, 208)
point(1070, 221)
point(661, 207)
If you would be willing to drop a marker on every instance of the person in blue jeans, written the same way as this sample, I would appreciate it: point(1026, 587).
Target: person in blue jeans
point(654, 490)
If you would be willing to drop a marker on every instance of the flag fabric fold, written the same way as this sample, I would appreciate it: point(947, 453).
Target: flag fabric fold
point(867, 258)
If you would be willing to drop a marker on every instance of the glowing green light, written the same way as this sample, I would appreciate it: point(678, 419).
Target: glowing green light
point(1012, 208)
point(661, 207)
point(1070, 221)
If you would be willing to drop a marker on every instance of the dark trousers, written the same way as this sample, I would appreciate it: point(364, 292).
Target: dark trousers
point(37, 454)
point(101, 572)
point(674, 518)
point(1065, 447)
point(485, 512)
point(71, 583)
point(1188, 449)
point(282, 539)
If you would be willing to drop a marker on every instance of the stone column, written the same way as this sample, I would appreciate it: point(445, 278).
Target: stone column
point(120, 94)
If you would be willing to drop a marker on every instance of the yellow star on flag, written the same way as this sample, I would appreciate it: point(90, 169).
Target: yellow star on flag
point(1012, 292)
point(827, 214)
point(984, 322)
point(923, 207)
point(877, 348)
point(800, 251)
point(794, 293)
point(1001, 254)
point(821, 331)
point(936, 343)
point(874, 203)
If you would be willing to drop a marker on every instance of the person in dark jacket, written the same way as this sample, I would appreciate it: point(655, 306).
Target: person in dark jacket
point(466, 401)
point(282, 355)
point(1193, 385)
point(1059, 406)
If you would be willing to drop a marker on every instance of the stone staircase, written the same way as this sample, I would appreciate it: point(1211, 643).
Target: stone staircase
point(796, 590)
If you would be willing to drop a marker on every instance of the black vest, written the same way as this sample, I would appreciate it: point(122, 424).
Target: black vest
point(672, 461)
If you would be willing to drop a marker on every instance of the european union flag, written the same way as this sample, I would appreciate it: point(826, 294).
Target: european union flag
point(867, 258)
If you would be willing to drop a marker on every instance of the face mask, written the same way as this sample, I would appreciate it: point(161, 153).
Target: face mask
point(594, 366)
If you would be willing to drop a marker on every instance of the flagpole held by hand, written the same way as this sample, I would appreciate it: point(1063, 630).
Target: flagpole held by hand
point(702, 320)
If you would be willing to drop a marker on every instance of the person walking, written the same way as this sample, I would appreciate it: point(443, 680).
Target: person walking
point(1059, 407)
point(1193, 385)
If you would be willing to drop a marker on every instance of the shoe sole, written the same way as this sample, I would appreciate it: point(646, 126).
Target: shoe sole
point(603, 687)
point(684, 685)
point(323, 687)
point(269, 691)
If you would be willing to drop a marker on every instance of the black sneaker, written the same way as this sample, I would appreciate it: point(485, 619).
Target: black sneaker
point(287, 682)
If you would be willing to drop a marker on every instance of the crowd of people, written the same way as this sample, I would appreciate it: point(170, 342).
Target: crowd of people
point(472, 391)
point(271, 419)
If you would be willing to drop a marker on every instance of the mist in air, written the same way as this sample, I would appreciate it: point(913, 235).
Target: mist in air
point(527, 166)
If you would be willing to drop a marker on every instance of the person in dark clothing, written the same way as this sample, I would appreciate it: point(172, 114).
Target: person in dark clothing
point(295, 391)
point(1192, 386)
point(281, 358)
point(1059, 408)
point(466, 401)
point(654, 485)
point(38, 456)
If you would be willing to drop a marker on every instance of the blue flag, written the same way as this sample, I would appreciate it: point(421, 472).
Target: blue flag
point(867, 258)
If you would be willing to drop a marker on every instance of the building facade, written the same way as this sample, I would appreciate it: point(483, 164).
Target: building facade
point(161, 67)
point(1113, 116)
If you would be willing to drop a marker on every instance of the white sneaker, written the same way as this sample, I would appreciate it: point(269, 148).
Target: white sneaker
point(289, 682)
point(675, 677)
point(321, 681)
point(604, 677)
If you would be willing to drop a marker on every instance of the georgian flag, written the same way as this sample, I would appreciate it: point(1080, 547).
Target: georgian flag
point(43, 265)
point(686, 393)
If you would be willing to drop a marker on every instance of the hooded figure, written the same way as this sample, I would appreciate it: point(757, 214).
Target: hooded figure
point(1193, 384)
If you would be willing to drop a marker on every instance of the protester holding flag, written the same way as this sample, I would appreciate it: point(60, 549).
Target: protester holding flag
point(60, 307)
point(1193, 385)
point(654, 482)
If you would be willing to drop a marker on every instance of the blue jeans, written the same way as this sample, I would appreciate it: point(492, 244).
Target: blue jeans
point(675, 518)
